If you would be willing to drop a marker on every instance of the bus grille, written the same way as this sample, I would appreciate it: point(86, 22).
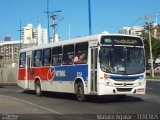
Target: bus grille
point(124, 89)
point(122, 84)
point(124, 79)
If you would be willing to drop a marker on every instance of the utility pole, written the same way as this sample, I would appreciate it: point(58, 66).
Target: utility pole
point(53, 26)
point(54, 18)
point(147, 18)
point(47, 12)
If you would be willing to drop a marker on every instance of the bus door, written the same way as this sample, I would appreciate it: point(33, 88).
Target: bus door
point(28, 58)
point(93, 69)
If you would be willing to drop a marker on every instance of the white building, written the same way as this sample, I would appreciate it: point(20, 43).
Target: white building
point(125, 30)
point(9, 53)
point(27, 34)
point(41, 35)
point(135, 30)
point(32, 35)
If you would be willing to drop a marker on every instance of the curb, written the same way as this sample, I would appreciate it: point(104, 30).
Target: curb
point(8, 84)
point(153, 80)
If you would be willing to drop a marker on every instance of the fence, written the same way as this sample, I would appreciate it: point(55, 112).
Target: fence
point(157, 72)
point(8, 75)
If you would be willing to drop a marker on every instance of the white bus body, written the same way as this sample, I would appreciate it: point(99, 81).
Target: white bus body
point(114, 65)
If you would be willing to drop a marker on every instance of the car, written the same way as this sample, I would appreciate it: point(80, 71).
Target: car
point(157, 68)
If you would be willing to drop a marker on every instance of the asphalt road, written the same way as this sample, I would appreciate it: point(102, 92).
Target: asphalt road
point(13, 100)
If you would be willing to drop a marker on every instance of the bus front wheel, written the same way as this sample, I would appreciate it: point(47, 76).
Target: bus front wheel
point(80, 92)
point(38, 88)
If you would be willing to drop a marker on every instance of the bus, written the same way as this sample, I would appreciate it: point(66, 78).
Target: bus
point(103, 64)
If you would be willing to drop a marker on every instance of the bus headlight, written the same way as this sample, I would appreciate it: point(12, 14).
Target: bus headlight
point(141, 82)
point(108, 83)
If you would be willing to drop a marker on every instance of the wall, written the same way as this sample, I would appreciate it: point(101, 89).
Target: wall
point(8, 75)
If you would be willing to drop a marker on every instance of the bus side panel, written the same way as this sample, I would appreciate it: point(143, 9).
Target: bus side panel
point(69, 73)
point(58, 79)
point(65, 76)
point(42, 73)
point(39, 72)
point(21, 77)
point(22, 74)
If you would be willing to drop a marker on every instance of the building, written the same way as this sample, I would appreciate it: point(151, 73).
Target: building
point(9, 49)
point(27, 34)
point(7, 38)
point(9, 53)
point(41, 35)
point(36, 36)
point(135, 30)
point(125, 30)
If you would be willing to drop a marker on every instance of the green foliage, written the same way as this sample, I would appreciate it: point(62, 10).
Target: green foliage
point(155, 41)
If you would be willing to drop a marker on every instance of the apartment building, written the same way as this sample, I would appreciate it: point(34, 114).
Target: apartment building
point(135, 30)
point(32, 35)
point(9, 53)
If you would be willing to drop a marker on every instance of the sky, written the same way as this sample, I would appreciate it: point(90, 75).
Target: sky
point(106, 15)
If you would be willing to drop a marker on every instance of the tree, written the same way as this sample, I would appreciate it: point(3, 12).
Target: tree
point(155, 41)
point(158, 31)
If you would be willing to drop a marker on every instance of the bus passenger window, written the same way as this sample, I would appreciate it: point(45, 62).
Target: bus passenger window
point(81, 54)
point(37, 58)
point(68, 54)
point(22, 60)
point(46, 57)
point(56, 56)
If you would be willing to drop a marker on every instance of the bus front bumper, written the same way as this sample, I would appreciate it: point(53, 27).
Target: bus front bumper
point(111, 90)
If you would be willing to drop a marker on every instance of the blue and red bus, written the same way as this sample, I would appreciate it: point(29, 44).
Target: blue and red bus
point(103, 64)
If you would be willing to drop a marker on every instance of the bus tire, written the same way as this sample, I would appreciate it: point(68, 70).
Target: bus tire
point(38, 88)
point(80, 92)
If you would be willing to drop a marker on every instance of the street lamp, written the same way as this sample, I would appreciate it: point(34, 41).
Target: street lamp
point(69, 32)
point(20, 37)
point(89, 18)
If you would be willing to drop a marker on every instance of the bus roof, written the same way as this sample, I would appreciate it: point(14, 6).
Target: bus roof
point(73, 41)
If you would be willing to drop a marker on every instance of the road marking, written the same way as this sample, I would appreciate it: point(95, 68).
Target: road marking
point(50, 110)
point(12, 90)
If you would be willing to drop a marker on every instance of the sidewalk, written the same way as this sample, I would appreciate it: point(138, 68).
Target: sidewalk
point(153, 80)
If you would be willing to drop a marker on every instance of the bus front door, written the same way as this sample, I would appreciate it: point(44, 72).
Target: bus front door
point(27, 71)
point(93, 73)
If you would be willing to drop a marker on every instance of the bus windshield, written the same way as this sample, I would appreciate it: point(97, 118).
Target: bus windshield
point(125, 60)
